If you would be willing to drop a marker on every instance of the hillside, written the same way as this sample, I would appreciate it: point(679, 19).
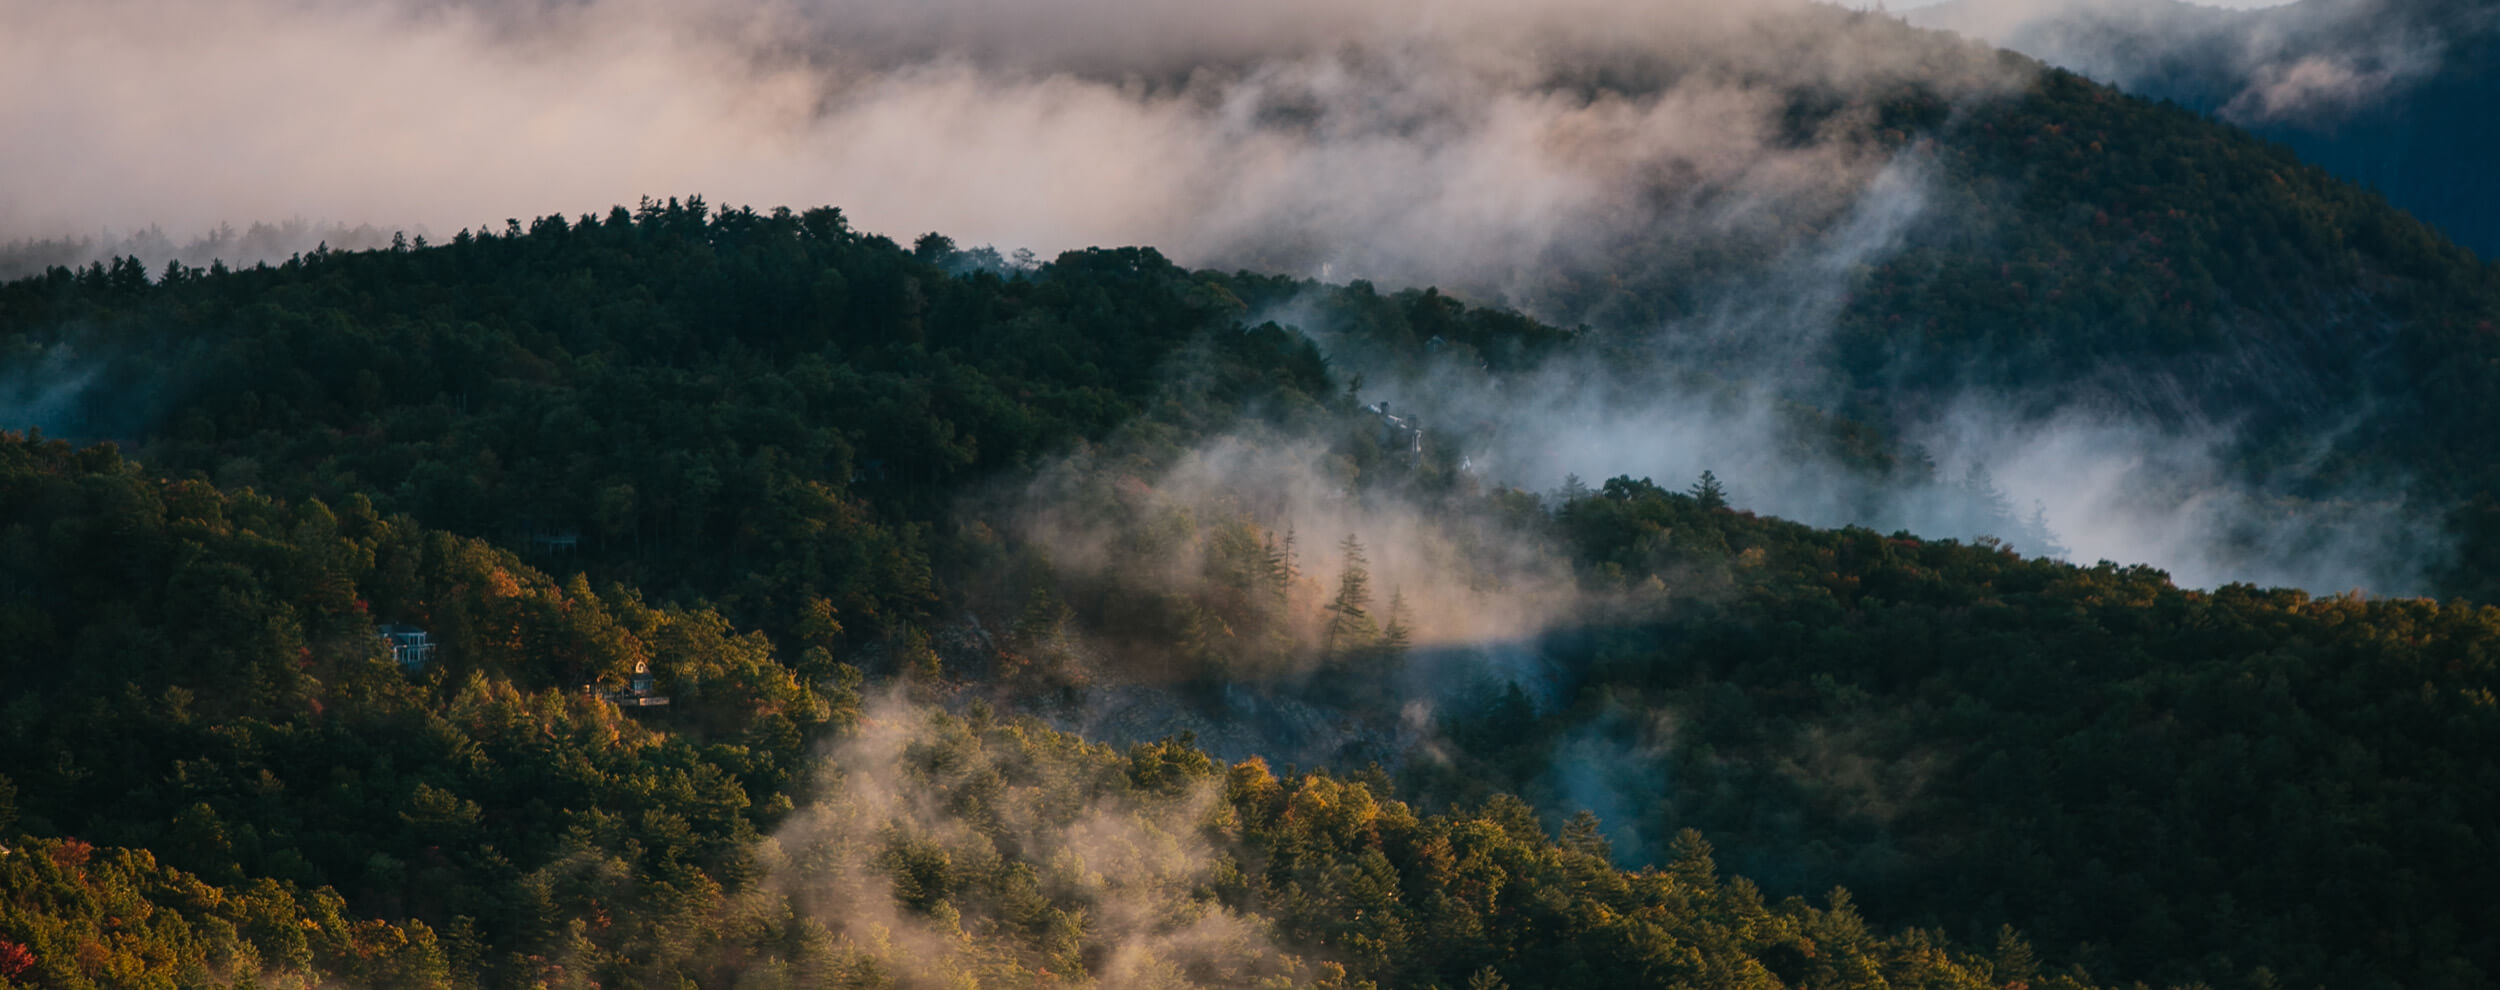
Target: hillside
point(1101, 620)
point(2086, 248)
point(225, 704)
point(1610, 588)
point(2391, 94)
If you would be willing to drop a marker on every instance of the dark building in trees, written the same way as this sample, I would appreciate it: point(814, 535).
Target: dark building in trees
point(410, 647)
point(640, 691)
point(1398, 432)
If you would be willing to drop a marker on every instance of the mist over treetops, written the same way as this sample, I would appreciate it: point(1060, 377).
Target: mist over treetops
point(1421, 493)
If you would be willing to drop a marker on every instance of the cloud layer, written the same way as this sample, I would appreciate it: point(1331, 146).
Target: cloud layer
point(2312, 64)
point(1417, 140)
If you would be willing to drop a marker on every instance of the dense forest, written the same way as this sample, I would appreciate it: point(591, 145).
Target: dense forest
point(1089, 620)
point(2389, 94)
point(225, 706)
point(2196, 786)
point(2103, 251)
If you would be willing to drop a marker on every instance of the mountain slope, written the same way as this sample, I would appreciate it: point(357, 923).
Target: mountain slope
point(2391, 94)
point(1712, 618)
point(773, 451)
point(204, 683)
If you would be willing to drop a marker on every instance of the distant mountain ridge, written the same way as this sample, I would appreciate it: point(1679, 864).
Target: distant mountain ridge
point(2392, 94)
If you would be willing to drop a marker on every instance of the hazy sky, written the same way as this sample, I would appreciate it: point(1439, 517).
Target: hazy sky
point(439, 114)
point(2225, 4)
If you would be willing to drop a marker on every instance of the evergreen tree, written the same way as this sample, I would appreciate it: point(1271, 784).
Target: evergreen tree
point(2014, 962)
point(2037, 538)
point(1399, 634)
point(1038, 626)
point(1350, 625)
point(1994, 512)
point(1206, 641)
point(1275, 572)
point(1708, 492)
point(1584, 834)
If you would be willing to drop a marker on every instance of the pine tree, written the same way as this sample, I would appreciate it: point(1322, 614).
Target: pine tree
point(2038, 539)
point(1708, 492)
point(1206, 642)
point(1291, 559)
point(1038, 626)
point(1691, 862)
point(918, 660)
point(1275, 574)
point(1397, 636)
point(1585, 835)
point(1995, 511)
point(1350, 625)
point(2014, 962)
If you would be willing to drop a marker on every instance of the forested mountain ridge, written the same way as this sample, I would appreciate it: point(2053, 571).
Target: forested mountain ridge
point(514, 832)
point(1779, 651)
point(775, 461)
point(1914, 719)
point(771, 411)
point(2163, 759)
point(2090, 247)
point(2385, 93)
point(1786, 583)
